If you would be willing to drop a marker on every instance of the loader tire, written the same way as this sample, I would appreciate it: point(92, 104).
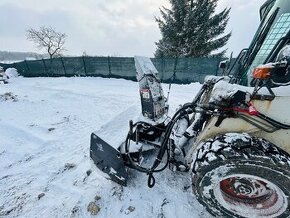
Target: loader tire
point(237, 175)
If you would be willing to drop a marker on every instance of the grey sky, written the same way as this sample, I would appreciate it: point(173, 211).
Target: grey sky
point(109, 27)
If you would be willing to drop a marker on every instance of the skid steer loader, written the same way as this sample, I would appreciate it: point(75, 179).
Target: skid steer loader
point(232, 139)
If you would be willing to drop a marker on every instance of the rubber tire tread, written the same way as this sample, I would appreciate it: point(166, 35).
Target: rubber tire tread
point(238, 149)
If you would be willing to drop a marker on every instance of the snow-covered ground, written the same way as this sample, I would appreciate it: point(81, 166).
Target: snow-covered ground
point(45, 169)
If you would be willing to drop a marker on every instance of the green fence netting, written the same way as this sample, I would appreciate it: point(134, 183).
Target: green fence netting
point(99, 67)
point(176, 70)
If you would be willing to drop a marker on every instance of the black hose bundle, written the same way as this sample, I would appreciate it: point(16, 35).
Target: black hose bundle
point(188, 108)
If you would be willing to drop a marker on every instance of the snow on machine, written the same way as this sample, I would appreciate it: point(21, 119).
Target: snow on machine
point(232, 139)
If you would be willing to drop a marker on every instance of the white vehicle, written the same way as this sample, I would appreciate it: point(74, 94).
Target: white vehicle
point(232, 139)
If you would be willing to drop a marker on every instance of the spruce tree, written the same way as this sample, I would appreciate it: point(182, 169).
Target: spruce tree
point(191, 28)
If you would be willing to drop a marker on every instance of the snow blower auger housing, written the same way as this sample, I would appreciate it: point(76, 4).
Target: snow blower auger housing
point(233, 139)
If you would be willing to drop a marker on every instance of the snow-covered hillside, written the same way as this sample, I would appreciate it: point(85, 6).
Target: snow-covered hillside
point(45, 170)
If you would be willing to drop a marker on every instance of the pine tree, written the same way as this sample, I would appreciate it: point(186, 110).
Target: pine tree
point(191, 28)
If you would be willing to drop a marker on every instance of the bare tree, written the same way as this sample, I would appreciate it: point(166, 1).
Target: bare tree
point(47, 38)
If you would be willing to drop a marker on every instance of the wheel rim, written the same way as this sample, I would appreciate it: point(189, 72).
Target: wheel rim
point(250, 196)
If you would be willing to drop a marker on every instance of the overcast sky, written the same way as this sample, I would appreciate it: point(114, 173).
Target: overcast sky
point(109, 27)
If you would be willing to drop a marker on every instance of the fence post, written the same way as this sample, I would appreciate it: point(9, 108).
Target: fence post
point(27, 68)
point(175, 66)
point(44, 66)
point(187, 69)
point(84, 65)
point(14, 65)
point(217, 68)
point(162, 68)
point(64, 70)
point(109, 64)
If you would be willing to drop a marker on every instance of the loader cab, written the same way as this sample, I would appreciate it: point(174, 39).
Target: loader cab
point(272, 35)
point(265, 8)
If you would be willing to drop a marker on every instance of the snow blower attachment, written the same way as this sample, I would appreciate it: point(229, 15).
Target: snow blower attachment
point(168, 139)
point(146, 136)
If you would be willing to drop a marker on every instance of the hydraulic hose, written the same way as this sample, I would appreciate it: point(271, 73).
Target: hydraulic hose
point(185, 109)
